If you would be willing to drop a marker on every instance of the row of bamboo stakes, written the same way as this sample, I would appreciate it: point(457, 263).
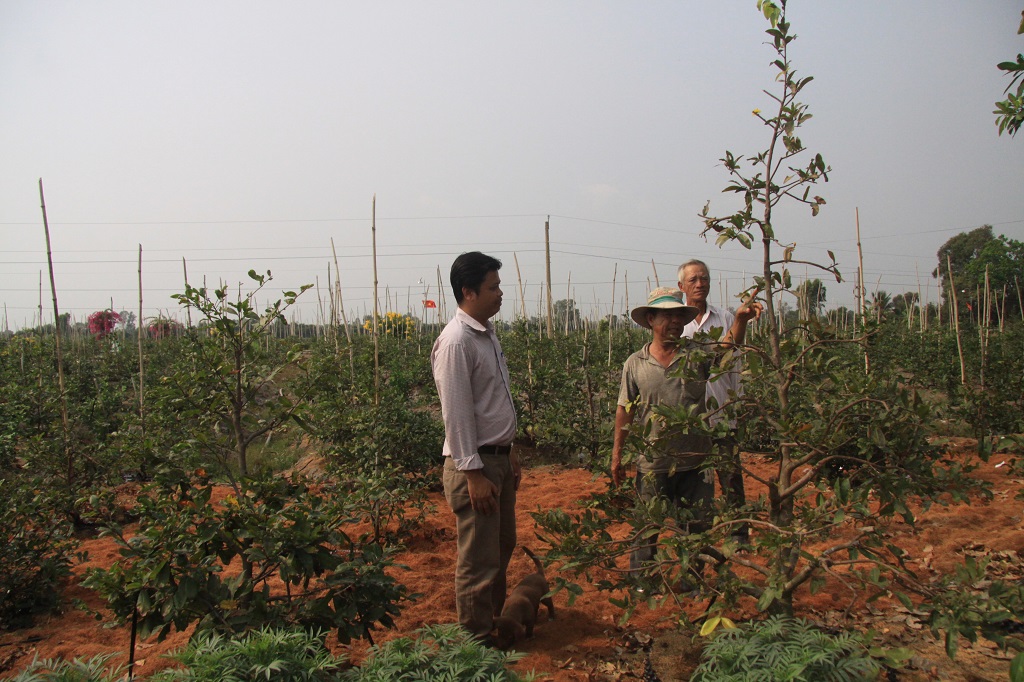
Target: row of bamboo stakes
point(338, 318)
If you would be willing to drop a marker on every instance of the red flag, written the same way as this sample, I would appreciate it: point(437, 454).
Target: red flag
point(429, 304)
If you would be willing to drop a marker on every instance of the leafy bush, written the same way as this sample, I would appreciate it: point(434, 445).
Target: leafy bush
point(35, 555)
point(173, 568)
point(439, 652)
point(58, 670)
point(781, 648)
point(280, 655)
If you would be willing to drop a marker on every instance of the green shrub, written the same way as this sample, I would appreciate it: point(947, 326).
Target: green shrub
point(270, 654)
point(35, 555)
point(439, 652)
point(781, 648)
point(58, 670)
point(172, 569)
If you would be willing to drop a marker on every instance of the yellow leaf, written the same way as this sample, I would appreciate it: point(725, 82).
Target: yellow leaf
point(709, 626)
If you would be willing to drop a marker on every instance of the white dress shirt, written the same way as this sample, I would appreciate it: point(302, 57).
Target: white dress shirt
point(472, 382)
point(719, 387)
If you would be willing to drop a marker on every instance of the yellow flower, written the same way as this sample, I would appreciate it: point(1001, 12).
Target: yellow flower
point(755, 112)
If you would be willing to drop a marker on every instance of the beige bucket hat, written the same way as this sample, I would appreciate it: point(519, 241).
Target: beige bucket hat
point(663, 298)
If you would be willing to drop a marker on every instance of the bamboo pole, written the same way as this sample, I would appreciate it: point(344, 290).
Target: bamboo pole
point(956, 321)
point(320, 305)
point(188, 308)
point(568, 302)
point(1002, 310)
point(1020, 303)
point(613, 318)
point(860, 286)
point(376, 308)
point(920, 307)
point(142, 368)
point(547, 265)
point(443, 299)
point(657, 283)
point(344, 317)
point(65, 422)
point(519, 281)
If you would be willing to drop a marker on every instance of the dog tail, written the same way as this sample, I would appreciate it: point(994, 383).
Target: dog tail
point(536, 561)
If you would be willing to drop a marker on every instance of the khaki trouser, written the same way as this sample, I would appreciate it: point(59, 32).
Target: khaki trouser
point(485, 544)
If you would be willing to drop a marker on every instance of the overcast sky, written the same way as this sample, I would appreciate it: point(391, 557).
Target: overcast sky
point(240, 135)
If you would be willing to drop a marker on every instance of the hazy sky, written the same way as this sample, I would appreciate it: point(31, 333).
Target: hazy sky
point(242, 135)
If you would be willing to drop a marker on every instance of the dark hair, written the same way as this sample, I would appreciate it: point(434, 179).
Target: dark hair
point(470, 270)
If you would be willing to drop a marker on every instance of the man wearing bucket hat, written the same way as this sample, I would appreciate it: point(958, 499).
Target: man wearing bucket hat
point(669, 372)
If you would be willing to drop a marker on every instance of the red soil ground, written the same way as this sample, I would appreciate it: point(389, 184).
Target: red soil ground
point(586, 642)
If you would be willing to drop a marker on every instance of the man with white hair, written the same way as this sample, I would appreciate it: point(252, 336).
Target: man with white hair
point(695, 282)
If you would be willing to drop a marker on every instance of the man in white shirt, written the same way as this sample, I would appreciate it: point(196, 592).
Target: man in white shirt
point(695, 282)
point(481, 473)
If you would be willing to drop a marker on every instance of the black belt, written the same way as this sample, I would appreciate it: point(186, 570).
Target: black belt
point(495, 449)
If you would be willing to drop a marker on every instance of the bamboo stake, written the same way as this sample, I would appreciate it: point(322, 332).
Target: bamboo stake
point(65, 422)
point(440, 294)
point(568, 302)
point(519, 280)
point(547, 264)
point(1002, 310)
point(1020, 303)
point(376, 309)
point(956, 321)
point(344, 317)
point(188, 309)
point(142, 368)
point(860, 286)
point(657, 283)
point(920, 309)
point(613, 318)
point(320, 301)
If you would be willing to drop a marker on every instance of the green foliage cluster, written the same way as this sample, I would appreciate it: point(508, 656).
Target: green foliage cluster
point(566, 389)
point(981, 261)
point(438, 652)
point(36, 552)
point(401, 433)
point(173, 571)
point(992, 400)
point(95, 669)
point(282, 655)
point(1010, 111)
point(781, 649)
point(971, 602)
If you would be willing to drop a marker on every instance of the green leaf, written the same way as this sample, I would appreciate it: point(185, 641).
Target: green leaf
point(1017, 665)
point(951, 644)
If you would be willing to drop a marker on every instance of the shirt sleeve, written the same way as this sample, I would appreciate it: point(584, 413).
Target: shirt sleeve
point(628, 390)
point(452, 372)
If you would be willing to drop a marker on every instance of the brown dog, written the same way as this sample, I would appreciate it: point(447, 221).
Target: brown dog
point(522, 606)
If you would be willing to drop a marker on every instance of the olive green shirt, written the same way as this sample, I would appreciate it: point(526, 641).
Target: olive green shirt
point(645, 384)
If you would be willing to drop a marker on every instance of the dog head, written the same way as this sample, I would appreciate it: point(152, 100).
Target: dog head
point(507, 631)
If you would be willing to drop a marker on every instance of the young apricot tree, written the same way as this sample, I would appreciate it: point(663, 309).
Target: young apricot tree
point(225, 384)
point(848, 450)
